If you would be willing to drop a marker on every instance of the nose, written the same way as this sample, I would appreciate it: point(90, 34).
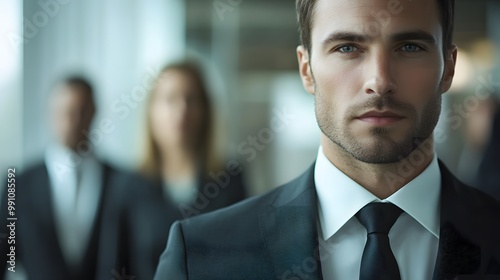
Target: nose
point(74, 117)
point(181, 109)
point(380, 75)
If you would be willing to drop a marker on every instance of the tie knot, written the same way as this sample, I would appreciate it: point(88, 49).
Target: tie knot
point(378, 217)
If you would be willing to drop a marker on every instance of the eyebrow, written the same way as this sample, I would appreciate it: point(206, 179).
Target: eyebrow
point(418, 35)
point(345, 36)
point(414, 35)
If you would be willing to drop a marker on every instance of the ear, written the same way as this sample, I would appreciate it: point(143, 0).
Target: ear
point(449, 69)
point(305, 69)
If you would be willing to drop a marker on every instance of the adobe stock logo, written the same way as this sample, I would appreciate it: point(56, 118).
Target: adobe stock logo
point(223, 6)
point(383, 17)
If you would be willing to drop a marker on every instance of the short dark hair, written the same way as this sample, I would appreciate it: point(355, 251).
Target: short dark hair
point(305, 13)
point(80, 82)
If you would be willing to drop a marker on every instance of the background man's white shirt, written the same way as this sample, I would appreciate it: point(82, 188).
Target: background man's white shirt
point(76, 184)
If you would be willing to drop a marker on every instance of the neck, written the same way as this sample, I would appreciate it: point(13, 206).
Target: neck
point(178, 163)
point(382, 180)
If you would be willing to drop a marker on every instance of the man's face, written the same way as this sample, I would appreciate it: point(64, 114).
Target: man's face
point(72, 112)
point(377, 73)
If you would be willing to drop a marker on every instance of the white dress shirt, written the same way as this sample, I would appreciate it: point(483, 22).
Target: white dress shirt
point(76, 184)
point(414, 238)
point(180, 191)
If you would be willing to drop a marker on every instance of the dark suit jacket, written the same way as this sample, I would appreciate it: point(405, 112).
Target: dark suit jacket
point(37, 244)
point(274, 236)
point(143, 224)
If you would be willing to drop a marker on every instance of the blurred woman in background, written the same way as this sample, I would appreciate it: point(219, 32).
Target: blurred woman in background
point(187, 177)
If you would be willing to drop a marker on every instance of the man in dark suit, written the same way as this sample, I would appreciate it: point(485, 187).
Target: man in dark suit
point(59, 202)
point(377, 203)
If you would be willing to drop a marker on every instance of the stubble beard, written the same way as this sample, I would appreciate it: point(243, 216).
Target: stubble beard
point(381, 148)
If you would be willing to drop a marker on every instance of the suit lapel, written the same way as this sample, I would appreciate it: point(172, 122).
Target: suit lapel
point(87, 268)
point(43, 217)
point(41, 201)
point(289, 230)
point(43, 208)
point(456, 255)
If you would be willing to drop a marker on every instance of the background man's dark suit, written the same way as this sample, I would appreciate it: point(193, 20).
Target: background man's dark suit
point(37, 243)
point(274, 236)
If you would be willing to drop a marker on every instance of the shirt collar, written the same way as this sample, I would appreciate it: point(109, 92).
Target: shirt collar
point(62, 162)
point(340, 197)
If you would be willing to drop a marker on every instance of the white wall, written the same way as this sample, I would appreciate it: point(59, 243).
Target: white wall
point(118, 44)
point(10, 86)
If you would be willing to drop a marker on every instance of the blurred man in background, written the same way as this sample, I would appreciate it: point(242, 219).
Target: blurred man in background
point(488, 175)
point(479, 163)
point(60, 201)
point(477, 131)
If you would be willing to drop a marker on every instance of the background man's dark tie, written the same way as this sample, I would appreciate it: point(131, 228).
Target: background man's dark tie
point(378, 261)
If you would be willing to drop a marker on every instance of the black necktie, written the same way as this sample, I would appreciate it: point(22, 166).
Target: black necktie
point(378, 261)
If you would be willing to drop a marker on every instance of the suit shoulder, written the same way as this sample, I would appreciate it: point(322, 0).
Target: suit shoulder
point(477, 200)
point(475, 216)
point(32, 170)
point(245, 214)
point(461, 197)
point(245, 209)
point(31, 177)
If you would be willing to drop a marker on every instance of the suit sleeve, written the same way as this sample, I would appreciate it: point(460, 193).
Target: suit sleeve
point(172, 264)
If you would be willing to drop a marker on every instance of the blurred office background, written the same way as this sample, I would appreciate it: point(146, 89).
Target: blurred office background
point(247, 48)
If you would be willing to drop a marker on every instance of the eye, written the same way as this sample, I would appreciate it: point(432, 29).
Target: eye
point(347, 49)
point(410, 48)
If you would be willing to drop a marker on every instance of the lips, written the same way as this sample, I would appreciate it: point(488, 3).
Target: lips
point(380, 117)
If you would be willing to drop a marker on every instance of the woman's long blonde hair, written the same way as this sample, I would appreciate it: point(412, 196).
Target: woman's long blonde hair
point(150, 165)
